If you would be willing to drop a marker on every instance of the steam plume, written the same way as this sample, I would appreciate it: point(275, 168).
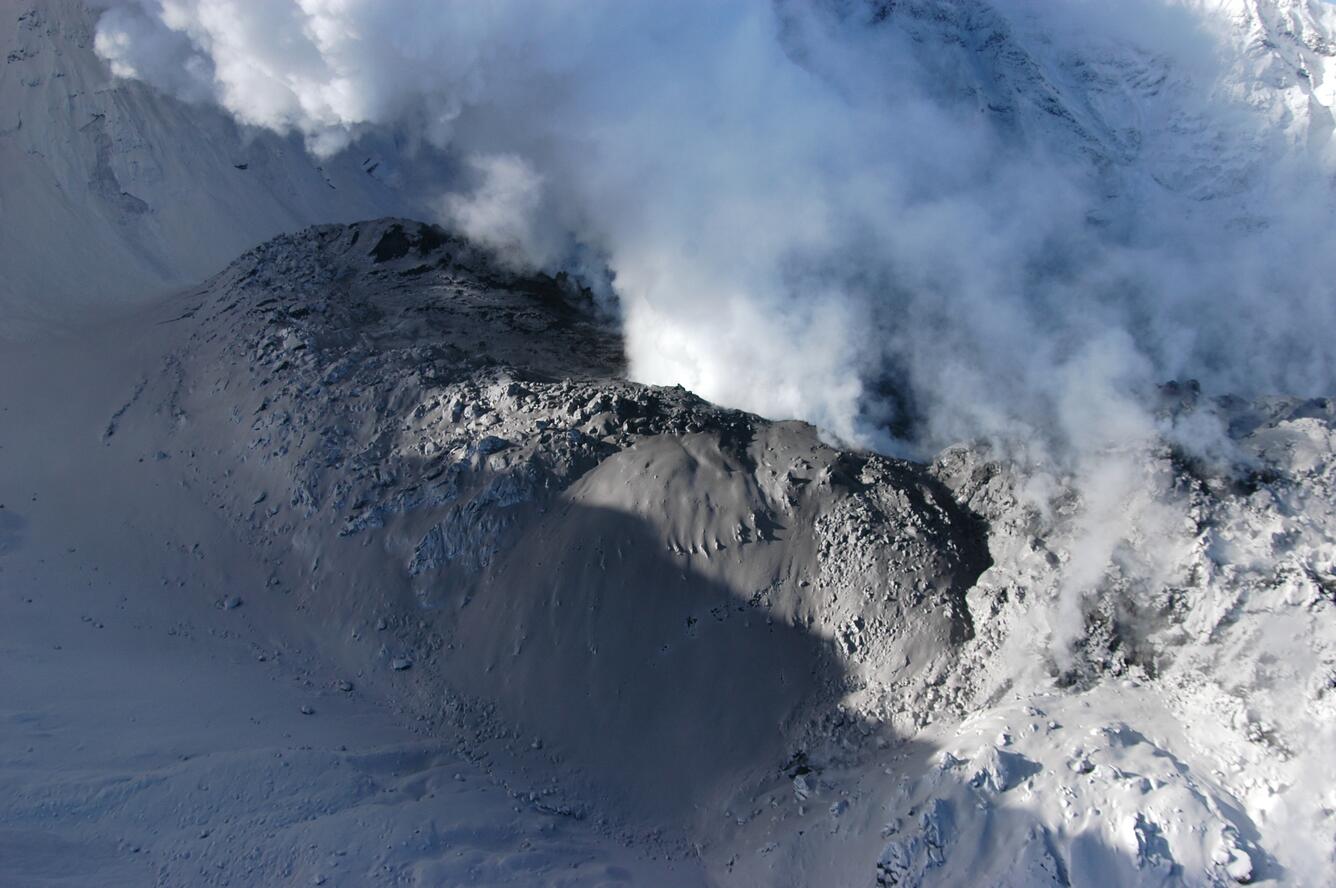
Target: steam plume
point(806, 207)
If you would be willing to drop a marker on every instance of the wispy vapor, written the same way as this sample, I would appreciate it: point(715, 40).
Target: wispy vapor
point(911, 223)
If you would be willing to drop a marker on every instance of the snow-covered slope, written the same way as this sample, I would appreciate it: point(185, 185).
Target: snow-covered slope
point(1137, 107)
point(1287, 63)
point(113, 192)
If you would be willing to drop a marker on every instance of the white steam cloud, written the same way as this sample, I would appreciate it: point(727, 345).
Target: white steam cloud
point(912, 223)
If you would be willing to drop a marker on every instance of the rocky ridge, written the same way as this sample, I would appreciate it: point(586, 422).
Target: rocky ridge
point(473, 508)
point(445, 463)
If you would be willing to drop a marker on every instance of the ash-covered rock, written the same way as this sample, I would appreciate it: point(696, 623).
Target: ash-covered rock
point(632, 573)
point(479, 516)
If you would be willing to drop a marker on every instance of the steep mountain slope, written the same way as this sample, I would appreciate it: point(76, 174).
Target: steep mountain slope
point(113, 192)
point(1127, 100)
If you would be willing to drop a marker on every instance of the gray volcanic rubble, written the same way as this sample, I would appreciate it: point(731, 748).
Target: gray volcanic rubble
point(721, 635)
point(445, 465)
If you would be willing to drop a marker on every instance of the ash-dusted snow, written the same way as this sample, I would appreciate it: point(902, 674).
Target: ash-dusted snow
point(362, 564)
point(367, 562)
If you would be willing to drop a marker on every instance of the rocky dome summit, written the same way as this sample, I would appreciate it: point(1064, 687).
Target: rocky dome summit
point(764, 444)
